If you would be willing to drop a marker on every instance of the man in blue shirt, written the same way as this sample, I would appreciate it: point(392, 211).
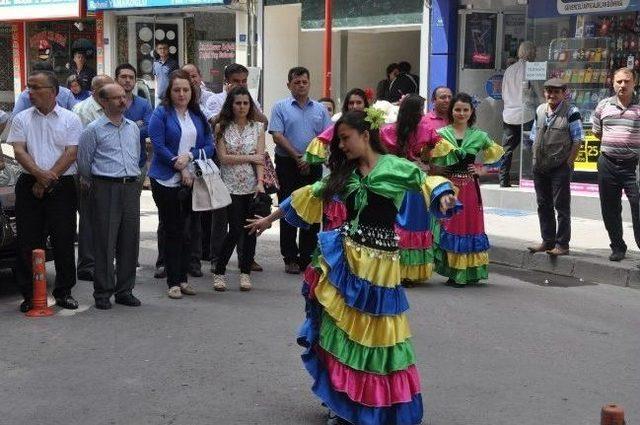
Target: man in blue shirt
point(64, 98)
point(162, 67)
point(109, 153)
point(295, 121)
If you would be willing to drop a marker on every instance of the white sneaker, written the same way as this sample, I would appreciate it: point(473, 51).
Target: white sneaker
point(219, 282)
point(245, 282)
point(174, 292)
point(187, 289)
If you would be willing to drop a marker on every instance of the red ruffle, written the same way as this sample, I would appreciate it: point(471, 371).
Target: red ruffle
point(336, 214)
point(311, 276)
point(414, 240)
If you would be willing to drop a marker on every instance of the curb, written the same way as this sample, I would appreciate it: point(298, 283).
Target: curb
point(580, 265)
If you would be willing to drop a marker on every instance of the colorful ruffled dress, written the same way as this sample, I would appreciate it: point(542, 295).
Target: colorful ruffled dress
point(414, 224)
point(318, 150)
point(462, 253)
point(356, 333)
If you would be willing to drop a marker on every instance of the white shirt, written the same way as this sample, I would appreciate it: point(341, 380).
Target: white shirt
point(188, 136)
point(46, 136)
point(216, 101)
point(518, 109)
point(88, 110)
point(205, 96)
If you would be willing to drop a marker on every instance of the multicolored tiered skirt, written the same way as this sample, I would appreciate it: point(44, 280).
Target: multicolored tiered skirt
point(414, 227)
point(462, 252)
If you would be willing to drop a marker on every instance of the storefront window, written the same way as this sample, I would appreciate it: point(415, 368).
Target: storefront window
point(56, 42)
point(584, 50)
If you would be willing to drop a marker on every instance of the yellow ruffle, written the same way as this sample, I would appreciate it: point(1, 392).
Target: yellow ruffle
point(307, 206)
point(363, 328)
point(379, 267)
point(463, 261)
point(493, 153)
point(318, 148)
point(430, 183)
point(416, 273)
point(442, 148)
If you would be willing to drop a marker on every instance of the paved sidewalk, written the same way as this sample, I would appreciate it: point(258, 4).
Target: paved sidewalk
point(511, 230)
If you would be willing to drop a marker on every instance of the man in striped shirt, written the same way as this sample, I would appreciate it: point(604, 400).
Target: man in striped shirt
point(616, 121)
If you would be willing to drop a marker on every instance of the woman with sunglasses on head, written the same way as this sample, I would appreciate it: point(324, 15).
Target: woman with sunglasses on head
point(356, 335)
point(240, 143)
point(463, 245)
point(179, 133)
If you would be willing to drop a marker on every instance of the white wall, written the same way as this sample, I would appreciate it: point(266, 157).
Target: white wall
point(281, 46)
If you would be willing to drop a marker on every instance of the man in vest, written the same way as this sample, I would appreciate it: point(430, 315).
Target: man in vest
point(557, 135)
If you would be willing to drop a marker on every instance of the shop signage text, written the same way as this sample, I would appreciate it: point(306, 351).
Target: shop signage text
point(38, 9)
point(552, 8)
point(535, 71)
point(136, 4)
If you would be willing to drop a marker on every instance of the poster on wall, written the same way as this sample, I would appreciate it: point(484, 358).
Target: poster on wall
point(213, 57)
point(480, 40)
point(147, 35)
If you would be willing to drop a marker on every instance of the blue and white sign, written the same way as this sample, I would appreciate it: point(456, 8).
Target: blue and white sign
point(493, 87)
point(38, 9)
point(139, 4)
point(550, 8)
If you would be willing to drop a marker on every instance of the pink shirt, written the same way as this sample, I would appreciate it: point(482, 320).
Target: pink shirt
point(425, 135)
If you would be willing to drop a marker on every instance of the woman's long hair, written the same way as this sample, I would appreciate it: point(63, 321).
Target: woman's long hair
point(409, 116)
point(193, 105)
point(464, 98)
point(341, 167)
point(357, 92)
point(226, 116)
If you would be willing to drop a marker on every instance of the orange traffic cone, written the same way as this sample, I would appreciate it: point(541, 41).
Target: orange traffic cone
point(40, 308)
point(612, 414)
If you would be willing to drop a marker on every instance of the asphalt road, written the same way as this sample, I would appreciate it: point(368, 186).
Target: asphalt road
point(516, 351)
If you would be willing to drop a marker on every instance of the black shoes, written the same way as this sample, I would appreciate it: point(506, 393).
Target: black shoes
point(505, 184)
point(292, 268)
point(160, 273)
point(103, 304)
point(128, 300)
point(67, 302)
point(85, 275)
point(26, 305)
point(617, 256)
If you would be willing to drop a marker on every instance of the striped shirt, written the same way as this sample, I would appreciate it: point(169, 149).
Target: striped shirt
point(618, 127)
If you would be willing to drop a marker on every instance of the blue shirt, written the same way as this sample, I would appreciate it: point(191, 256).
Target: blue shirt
point(64, 98)
point(297, 123)
point(161, 70)
point(140, 110)
point(108, 150)
point(575, 124)
point(84, 94)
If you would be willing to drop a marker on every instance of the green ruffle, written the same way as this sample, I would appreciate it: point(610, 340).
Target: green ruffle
point(380, 360)
point(463, 276)
point(416, 257)
point(445, 161)
point(313, 159)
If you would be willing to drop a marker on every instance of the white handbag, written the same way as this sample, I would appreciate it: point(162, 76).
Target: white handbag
point(209, 191)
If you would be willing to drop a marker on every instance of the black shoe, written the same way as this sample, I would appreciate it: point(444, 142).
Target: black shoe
point(617, 256)
point(505, 184)
point(26, 305)
point(292, 268)
point(85, 275)
point(67, 302)
point(103, 304)
point(195, 272)
point(160, 273)
point(129, 300)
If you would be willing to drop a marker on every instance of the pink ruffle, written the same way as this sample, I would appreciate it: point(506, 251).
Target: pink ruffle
point(336, 214)
point(327, 135)
point(371, 389)
point(311, 276)
point(414, 240)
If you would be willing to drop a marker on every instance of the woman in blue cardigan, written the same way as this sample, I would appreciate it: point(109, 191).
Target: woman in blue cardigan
point(178, 131)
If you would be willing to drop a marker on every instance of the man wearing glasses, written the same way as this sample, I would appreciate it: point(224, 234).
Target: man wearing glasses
point(45, 142)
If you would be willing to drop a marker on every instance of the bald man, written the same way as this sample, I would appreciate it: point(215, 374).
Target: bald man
point(108, 155)
point(88, 110)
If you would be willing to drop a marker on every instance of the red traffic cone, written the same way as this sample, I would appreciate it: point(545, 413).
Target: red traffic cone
point(612, 414)
point(40, 308)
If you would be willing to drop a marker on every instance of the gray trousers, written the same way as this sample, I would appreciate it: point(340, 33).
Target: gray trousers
point(116, 227)
point(86, 260)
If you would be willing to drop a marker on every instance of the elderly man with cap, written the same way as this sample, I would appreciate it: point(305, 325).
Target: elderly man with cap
point(557, 135)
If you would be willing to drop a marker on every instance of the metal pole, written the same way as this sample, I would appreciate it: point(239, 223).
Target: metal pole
point(326, 86)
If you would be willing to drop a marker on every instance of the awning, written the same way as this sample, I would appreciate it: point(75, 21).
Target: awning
point(14, 10)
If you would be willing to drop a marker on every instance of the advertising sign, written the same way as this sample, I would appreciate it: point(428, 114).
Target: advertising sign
point(38, 9)
point(551, 8)
point(137, 4)
point(587, 159)
point(213, 57)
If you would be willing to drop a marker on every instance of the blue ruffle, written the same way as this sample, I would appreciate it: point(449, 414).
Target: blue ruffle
point(398, 414)
point(357, 292)
point(413, 215)
point(463, 244)
point(291, 216)
point(445, 188)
